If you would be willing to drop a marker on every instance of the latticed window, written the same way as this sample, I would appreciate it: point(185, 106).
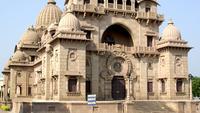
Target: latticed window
point(72, 84)
point(149, 41)
point(150, 86)
point(29, 91)
point(179, 85)
point(162, 85)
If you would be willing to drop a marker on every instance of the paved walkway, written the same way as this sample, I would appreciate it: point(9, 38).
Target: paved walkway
point(4, 111)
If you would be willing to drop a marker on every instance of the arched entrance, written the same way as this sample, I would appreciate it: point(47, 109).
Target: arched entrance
point(118, 88)
point(116, 34)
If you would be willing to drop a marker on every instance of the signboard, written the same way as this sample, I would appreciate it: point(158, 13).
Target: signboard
point(91, 100)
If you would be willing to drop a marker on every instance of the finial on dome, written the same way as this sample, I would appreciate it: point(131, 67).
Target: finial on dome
point(31, 28)
point(171, 22)
point(51, 2)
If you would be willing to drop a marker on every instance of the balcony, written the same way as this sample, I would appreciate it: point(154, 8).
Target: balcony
point(100, 9)
point(137, 51)
point(119, 8)
point(88, 8)
point(149, 16)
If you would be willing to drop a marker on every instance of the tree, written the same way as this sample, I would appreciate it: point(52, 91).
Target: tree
point(196, 86)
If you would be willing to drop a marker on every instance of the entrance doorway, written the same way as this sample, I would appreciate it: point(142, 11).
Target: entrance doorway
point(118, 88)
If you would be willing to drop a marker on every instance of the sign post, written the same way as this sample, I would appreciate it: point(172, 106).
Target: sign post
point(91, 101)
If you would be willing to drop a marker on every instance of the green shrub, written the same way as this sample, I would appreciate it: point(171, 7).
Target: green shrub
point(5, 108)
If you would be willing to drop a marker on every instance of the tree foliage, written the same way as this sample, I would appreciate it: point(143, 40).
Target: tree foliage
point(196, 86)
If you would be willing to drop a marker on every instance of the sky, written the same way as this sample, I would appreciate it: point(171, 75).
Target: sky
point(16, 16)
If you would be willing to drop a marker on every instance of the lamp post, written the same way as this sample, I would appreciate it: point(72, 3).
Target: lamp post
point(190, 80)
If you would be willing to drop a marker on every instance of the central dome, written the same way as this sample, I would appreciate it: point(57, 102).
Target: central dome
point(69, 23)
point(50, 14)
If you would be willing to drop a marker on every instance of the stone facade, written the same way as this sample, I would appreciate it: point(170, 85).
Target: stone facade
point(110, 48)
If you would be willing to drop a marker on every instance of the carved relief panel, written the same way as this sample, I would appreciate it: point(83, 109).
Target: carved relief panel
point(72, 62)
point(55, 61)
point(162, 65)
point(178, 65)
point(43, 67)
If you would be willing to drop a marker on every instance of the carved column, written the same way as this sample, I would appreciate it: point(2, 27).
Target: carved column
point(127, 81)
point(66, 86)
point(124, 4)
point(131, 88)
point(78, 84)
point(133, 5)
point(106, 3)
point(108, 84)
point(115, 4)
point(56, 85)
point(52, 87)
point(5, 90)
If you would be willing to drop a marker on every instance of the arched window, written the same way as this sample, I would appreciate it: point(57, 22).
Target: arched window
point(101, 1)
point(110, 1)
point(119, 1)
point(116, 34)
point(147, 8)
point(128, 2)
point(86, 1)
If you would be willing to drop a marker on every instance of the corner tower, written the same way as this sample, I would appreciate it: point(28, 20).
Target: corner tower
point(173, 64)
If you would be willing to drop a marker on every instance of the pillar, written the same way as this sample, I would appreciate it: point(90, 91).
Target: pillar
point(95, 74)
point(47, 83)
point(108, 84)
point(78, 84)
point(115, 4)
point(127, 81)
point(133, 5)
point(106, 3)
point(190, 88)
point(124, 4)
point(131, 88)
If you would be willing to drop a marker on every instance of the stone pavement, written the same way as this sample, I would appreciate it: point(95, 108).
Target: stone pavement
point(4, 111)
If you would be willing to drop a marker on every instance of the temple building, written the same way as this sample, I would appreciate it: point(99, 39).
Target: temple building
point(111, 48)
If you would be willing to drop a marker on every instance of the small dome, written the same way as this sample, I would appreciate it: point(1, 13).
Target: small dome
point(69, 22)
point(6, 66)
point(50, 14)
point(52, 26)
point(30, 36)
point(19, 56)
point(171, 32)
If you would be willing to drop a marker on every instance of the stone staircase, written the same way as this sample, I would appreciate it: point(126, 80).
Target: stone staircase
point(148, 107)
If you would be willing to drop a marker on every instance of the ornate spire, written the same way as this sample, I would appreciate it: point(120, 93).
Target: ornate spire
point(51, 2)
point(171, 22)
